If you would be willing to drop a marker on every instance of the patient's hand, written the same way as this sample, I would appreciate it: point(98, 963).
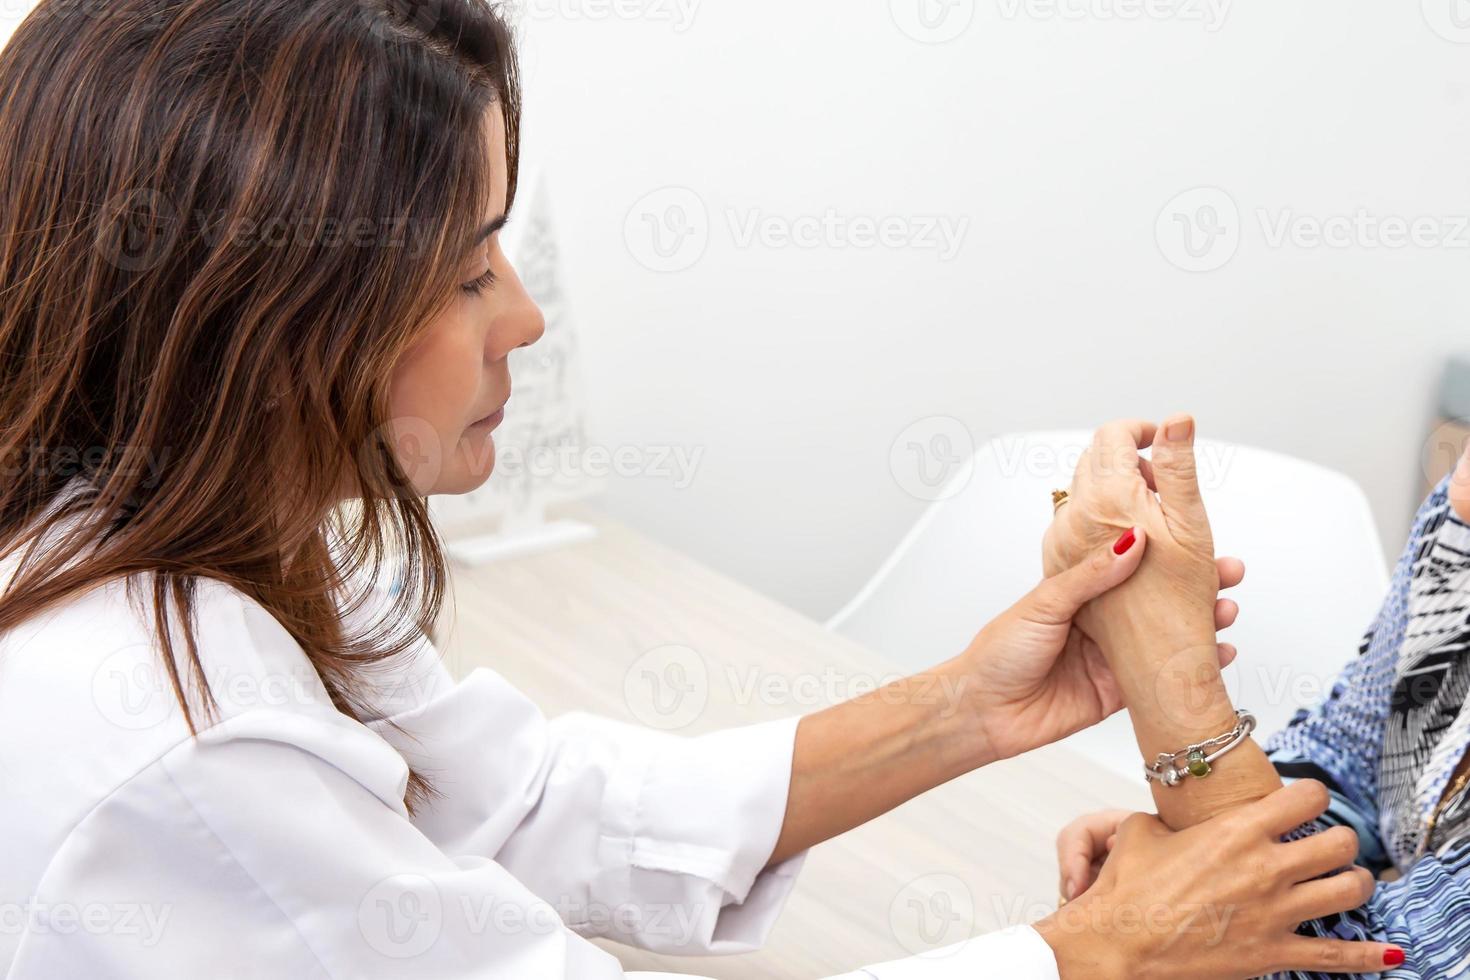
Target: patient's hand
point(1114, 489)
point(1082, 847)
point(1157, 630)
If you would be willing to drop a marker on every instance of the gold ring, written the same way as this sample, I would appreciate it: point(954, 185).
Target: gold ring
point(1058, 497)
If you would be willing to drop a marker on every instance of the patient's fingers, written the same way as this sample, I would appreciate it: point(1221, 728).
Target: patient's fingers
point(1147, 469)
point(1081, 844)
point(1137, 433)
point(1228, 653)
point(1232, 572)
point(1291, 806)
point(1114, 450)
point(1175, 474)
point(1225, 612)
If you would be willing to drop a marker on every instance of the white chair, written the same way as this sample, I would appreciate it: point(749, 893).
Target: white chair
point(1315, 570)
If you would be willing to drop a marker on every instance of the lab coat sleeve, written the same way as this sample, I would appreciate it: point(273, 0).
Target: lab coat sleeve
point(1018, 953)
point(649, 838)
point(644, 837)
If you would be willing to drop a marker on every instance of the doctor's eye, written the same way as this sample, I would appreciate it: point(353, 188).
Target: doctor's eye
point(478, 286)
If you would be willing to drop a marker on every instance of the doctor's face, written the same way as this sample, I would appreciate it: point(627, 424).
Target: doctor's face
point(449, 390)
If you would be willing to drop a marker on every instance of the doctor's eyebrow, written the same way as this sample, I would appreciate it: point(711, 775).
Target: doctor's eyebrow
point(490, 229)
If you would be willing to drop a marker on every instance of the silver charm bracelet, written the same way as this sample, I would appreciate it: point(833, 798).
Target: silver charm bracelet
point(1197, 759)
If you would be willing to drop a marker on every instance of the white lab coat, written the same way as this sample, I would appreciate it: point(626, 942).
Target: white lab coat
point(276, 843)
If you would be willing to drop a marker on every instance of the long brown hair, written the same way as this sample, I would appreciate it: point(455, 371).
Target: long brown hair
point(221, 223)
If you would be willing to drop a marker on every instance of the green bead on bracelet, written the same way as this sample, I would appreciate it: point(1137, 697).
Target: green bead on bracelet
point(1197, 764)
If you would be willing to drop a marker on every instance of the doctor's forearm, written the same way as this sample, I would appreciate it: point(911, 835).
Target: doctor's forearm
point(861, 758)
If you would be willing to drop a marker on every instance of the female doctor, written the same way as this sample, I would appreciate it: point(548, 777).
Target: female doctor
point(253, 309)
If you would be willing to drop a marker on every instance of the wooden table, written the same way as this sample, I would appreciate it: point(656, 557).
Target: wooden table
point(587, 626)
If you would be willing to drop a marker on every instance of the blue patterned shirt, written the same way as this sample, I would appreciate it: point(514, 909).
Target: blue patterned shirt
point(1386, 740)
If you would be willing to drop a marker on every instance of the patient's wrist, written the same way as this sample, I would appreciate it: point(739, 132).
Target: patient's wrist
point(1171, 684)
point(1182, 703)
point(1179, 699)
point(1133, 624)
point(1169, 674)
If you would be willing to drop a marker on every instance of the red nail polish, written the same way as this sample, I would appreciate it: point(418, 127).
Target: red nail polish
point(1125, 542)
point(1393, 957)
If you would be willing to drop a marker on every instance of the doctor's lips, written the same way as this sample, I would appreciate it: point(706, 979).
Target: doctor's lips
point(492, 420)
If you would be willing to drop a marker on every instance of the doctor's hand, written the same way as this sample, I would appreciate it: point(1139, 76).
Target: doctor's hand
point(1031, 677)
point(1219, 901)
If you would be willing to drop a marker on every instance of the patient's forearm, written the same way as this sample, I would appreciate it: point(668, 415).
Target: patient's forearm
point(1169, 672)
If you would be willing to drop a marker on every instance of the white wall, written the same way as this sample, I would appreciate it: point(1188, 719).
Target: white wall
point(1059, 133)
